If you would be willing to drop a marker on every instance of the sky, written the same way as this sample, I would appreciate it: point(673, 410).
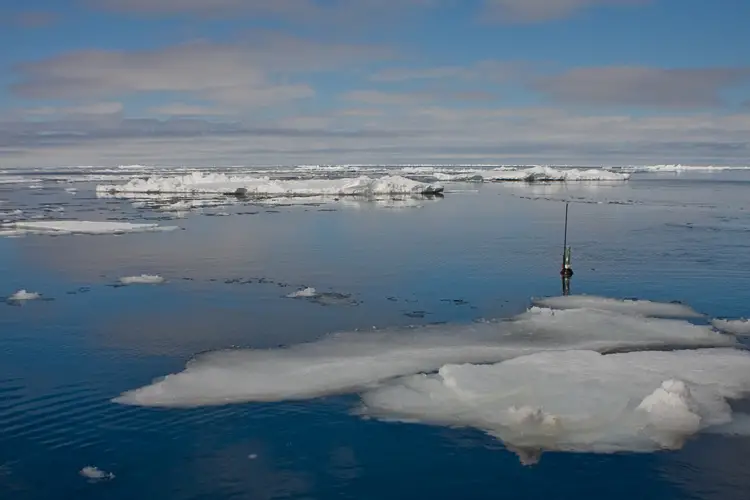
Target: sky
point(290, 82)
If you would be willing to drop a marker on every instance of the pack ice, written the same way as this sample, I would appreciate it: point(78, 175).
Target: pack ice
point(219, 183)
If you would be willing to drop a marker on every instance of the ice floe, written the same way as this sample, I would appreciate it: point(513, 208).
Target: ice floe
point(627, 306)
point(520, 174)
point(143, 279)
point(96, 474)
point(351, 361)
point(244, 185)
point(733, 326)
point(577, 400)
point(549, 174)
point(77, 227)
point(304, 293)
point(23, 296)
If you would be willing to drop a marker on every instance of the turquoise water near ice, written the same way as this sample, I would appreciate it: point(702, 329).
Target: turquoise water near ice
point(481, 252)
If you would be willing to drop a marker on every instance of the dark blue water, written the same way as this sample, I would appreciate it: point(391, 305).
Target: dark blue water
point(482, 252)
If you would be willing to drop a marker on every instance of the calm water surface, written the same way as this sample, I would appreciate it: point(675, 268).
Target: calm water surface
point(481, 252)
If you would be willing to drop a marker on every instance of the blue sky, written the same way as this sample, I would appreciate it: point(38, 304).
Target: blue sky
point(198, 82)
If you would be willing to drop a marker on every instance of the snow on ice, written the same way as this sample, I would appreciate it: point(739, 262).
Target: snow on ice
point(244, 185)
point(77, 227)
point(143, 279)
point(733, 326)
point(23, 295)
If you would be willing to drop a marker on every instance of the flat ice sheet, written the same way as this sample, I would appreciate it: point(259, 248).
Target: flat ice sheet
point(352, 361)
point(78, 227)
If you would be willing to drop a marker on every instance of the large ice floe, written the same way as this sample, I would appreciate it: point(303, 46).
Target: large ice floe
point(55, 227)
point(251, 186)
point(523, 174)
point(580, 374)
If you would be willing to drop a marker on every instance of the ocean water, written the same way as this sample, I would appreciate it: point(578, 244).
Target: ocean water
point(481, 252)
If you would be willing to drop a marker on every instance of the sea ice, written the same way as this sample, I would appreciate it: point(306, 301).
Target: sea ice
point(23, 295)
point(349, 362)
point(78, 227)
point(733, 326)
point(540, 173)
point(306, 293)
point(218, 183)
point(627, 306)
point(96, 474)
point(576, 400)
point(143, 279)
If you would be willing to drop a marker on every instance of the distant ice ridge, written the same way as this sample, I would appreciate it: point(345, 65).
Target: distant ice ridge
point(536, 174)
point(680, 168)
point(77, 227)
point(218, 183)
point(518, 174)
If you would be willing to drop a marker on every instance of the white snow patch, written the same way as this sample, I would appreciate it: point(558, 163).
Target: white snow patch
point(347, 362)
point(218, 183)
point(626, 306)
point(96, 474)
point(306, 292)
point(576, 400)
point(733, 326)
point(23, 295)
point(78, 227)
point(143, 279)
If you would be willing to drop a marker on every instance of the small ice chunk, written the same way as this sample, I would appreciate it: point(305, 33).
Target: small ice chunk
point(304, 293)
point(733, 326)
point(96, 474)
point(23, 295)
point(143, 279)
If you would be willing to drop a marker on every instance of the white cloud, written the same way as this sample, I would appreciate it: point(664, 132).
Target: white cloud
point(405, 133)
point(639, 85)
point(530, 11)
point(96, 108)
point(183, 109)
point(494, 71)
point(243, 74)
